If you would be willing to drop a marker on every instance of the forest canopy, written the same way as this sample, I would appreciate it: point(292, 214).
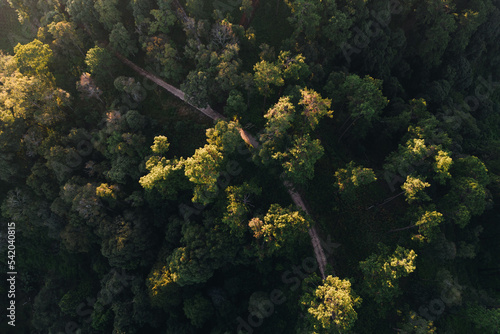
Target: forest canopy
point(251, 166)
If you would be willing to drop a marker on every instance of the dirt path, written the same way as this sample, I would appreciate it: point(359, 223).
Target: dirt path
point(171, 89)
point(313, 232)
point(250, 140)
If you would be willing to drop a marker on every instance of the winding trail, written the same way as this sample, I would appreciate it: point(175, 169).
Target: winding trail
point(250, 140)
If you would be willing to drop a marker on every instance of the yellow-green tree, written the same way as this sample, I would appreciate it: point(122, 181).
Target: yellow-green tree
point(382, 272)
point(330, 305)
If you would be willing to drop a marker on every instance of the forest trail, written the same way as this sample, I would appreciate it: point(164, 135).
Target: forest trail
point(209, 112)
point(250, 140)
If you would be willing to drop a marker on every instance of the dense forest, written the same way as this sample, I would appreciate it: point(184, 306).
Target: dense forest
point(246, 166)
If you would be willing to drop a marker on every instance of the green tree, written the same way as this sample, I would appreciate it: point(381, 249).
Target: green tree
point(198, 310)
point(382, 272)
point(163, 291)
point(350, 179)
point(160, 50)
point(121, 41)
point(203, 169)
point(164, 18)
point(414, 189)
point(298, 161)
point(281, 228)
point(67, 39)
point(428, 223)
point(267, 74)
point(465, 194)
point(364, 100)
point(238, 206)
point(415, 324)
point(442, 166)
point(306, 16)
point(99, 62)
point(485, 319)
point(83, 12)
point(33, 58)
point(109, 15)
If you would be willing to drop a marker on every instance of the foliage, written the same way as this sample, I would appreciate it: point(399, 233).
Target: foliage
point(128, 221)
point(329, 305)
point(351, 178)
point(280, 228)
point(382, 272)
point(33, 58)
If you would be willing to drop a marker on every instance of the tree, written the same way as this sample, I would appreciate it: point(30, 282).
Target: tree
point(99, 62)
point(228, 68)
point(135, 121)
point(83, 12)
point(67, 39)
point(160, 50)
point(295, 68)
point(160, 145)
point(225, 136)
point(109, 15)
point(413, 188)
point(351, 178)
point(415, 324)
point(196, 88)
point(473, 167)
point(165, 176)
point(298, 161)
point(203, 170)
point(382, 272)
point(121, 41)
point(330, 305)
point(364, 99)
point(267, 74)
point(87, 87)
point(198, 310)
point(132, 88)
point(280, 229)
point(164, 18)
point(163, 291)
point(407, 158)
point(315, 107)
point(467, 192)
point(442, 166)
point(238, 206)
point(485, 319)
point(305, 17)
point(33, 58)
point(428, 223)
point(428, 226)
